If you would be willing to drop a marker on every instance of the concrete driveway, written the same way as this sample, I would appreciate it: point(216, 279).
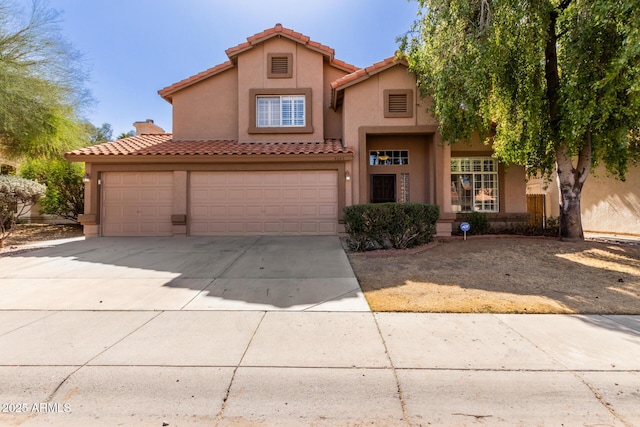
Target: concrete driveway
point(222, 273)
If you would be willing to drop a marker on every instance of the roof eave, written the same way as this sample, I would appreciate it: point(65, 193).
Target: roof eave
point(208, 158)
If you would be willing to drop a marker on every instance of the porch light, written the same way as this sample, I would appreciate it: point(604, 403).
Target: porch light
point(347, 175)
point(86, 178)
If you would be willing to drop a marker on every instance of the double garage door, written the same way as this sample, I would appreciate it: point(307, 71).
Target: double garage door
point(221, 203)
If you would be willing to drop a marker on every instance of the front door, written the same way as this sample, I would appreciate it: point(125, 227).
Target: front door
point(383, 188)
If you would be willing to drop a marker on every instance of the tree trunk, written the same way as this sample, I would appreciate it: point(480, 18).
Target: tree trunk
point(570, 214)
point(570, 178)
point(570, 183)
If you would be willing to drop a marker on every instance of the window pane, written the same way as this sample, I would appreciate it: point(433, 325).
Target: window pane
point(277, 111)
point(477, 191)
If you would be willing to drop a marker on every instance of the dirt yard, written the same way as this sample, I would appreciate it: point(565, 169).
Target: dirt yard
point(32, 233)
point(504, 275)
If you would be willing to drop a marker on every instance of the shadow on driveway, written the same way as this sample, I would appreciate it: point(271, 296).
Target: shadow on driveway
point(197, 273)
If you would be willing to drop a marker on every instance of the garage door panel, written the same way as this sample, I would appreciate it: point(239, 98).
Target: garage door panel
point(273, 194)
point(273, 211)
point(254, 194)
point(137, 203)
point(329, 211)
point(272, 202)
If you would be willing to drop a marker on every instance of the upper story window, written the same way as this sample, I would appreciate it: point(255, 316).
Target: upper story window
point(279, 111)
point(286, 110)
point(398, 103)
point(474, 184)
point(279, 65)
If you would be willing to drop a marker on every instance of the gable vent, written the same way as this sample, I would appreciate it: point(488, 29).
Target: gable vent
point(398, 103)
point(280, 65)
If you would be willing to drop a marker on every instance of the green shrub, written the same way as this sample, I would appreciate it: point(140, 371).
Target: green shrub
point(65, 192)
point(16, 196)
point(390, 225)
point(478, 221)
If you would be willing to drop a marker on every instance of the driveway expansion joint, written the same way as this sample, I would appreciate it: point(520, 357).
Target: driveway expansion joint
point(220, 414)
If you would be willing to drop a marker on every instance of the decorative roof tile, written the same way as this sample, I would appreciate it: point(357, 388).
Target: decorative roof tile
point(365, 73)
point(167, 91)
point(163, 145)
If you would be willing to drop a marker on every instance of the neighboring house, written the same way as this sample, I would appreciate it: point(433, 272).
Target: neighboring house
point(608, 205)
point(278, 140)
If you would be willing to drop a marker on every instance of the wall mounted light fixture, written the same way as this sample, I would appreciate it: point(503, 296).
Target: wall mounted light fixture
point(86, 178)
point(347, 175)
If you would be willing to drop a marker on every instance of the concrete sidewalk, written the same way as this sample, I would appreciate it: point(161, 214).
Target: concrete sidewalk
point(175, 368)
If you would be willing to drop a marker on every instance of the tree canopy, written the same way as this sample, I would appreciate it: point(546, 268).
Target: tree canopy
point(41, 84)
point(555, 84)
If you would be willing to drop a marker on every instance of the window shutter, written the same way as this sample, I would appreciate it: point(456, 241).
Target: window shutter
point(398, 103)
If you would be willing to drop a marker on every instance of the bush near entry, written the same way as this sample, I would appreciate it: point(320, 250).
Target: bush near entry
point(390, 225)
point(16, 196)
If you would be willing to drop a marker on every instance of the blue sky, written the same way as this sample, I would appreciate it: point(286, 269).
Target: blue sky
point(133, 48)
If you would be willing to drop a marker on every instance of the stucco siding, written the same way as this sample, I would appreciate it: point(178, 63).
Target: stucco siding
point(208, 109)
point(307, 74)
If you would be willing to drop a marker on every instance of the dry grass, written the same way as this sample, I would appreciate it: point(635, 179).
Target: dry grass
point(505, 275)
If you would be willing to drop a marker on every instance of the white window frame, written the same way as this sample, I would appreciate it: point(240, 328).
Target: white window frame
point(273, 111)
point(474, 184)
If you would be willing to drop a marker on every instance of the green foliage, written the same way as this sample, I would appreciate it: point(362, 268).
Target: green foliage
point(484, 64)
point(16, 196)
point(64, 196)
point(478, 222)
point(390, 225)
point(124, 135)
point(98, 135)
point(41, 80)
point(544, 81)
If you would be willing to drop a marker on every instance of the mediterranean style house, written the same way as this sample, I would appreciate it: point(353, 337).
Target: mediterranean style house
point(278, 140)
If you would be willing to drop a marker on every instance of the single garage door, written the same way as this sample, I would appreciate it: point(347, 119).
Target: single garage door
point(271, 202)
point(137, 203)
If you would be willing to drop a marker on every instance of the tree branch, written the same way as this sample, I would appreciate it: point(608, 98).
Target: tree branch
point(564, 4)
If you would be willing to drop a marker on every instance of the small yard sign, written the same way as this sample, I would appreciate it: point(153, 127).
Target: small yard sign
point(465, 227)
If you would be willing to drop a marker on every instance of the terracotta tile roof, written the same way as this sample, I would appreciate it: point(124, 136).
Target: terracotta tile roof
point(167, 91)
point(365, 73)
point(163, 145)
point(275, 31)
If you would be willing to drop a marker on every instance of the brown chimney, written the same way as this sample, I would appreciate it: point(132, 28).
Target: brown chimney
point(147, 127)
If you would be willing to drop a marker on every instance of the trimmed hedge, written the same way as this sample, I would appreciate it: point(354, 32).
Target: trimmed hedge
point(390, 225)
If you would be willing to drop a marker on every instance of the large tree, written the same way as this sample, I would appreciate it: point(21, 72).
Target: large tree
point(555, 84)
point(41, 83)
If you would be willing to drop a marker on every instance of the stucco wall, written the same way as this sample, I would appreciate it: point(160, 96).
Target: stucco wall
point(363, 106)
point(418, 167)
point(332, 119)
point(208, 109)
point(307, 73)
point(608, 205)
point(512, 178)
point(612, 205)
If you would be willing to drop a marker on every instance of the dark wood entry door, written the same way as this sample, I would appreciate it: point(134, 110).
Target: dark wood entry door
point(383, 188)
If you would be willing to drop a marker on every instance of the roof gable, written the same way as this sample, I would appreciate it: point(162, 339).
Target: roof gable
point(233, 52)
point(338, 86)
